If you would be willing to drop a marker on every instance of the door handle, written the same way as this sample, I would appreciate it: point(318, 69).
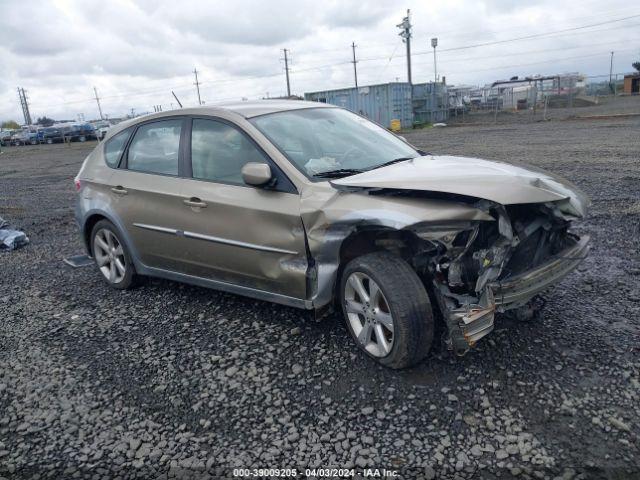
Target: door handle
point(195, 202)
point(120, 190)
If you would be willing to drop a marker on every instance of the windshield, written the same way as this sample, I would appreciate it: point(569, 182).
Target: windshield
point(321, 140)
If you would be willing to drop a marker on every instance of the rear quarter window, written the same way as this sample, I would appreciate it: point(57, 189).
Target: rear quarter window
point(115, 146)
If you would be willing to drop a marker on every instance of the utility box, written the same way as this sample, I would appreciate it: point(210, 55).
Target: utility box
point(380, 103)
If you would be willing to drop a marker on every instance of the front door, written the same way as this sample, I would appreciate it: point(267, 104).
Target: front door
point(237, 233)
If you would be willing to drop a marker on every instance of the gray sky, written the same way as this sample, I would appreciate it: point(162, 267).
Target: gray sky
point(136, 52)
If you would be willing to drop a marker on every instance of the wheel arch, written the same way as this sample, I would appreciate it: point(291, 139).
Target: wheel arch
point(368, 239)
point(92, 218)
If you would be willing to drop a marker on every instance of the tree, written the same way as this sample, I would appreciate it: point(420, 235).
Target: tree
point(44, 121)
point(10, 125)
point(636, 65)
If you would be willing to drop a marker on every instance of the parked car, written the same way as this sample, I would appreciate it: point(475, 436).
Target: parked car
point(5, 137)
point(51, 135)
point(24, 137)
point(101, 129)
point(17, 139)
point(312, 206)
point(79, 132)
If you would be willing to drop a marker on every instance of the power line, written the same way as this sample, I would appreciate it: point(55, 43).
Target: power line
point(504, 67)
point(514, 54)
point(526, 37)
point(534, 35)
point(566, 31)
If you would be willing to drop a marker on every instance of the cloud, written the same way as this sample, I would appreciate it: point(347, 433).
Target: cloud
point(136, 51)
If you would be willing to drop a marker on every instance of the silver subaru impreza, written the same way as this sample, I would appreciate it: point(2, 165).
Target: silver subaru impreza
point(312, 206)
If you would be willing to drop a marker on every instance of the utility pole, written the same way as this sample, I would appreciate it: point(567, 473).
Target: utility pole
point(354, 61)
point(286, 69)
point(405, 33)
point(197, 84)
point(25, 106)
point(434, 44)
point(98, 102)
point(611, 75)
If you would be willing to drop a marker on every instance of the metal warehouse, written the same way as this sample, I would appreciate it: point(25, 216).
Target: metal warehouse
point(389, 101)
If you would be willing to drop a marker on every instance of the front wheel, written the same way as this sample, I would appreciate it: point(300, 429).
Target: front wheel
point(111, 256)
point(387, 309)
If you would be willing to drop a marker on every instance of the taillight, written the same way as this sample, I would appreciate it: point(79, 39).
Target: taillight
point(78, 184)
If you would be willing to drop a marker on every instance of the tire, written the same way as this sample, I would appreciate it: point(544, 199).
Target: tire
point(404, 301)
point(49, 141)
point(119, 276)
point(82, 138)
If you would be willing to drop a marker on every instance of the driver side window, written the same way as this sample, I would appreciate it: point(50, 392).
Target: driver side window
point(219, 151)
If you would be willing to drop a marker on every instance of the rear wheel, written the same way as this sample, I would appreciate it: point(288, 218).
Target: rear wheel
point(82, 138)
point(111, 256)
point(387, 309)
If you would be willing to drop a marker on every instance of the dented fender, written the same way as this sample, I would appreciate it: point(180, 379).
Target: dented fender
point(330, 216)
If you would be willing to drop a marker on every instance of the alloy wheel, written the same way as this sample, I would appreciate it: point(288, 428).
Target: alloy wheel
point(368, 314)
point(109, 255)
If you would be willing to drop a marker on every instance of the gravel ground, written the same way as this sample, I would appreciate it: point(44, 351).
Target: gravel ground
point(171, 380)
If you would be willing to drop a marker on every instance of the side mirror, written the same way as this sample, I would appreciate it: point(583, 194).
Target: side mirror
point(256, 174)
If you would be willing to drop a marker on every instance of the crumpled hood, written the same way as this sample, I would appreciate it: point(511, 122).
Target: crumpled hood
point(500, 182)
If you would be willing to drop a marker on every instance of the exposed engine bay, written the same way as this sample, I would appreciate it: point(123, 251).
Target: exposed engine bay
point(468, 266)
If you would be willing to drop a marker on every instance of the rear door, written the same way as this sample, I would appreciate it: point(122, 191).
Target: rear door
point(245, 235)
point(146, 192)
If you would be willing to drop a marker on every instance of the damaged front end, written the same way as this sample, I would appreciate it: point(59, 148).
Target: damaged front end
point(476, 257)
point(488, 267)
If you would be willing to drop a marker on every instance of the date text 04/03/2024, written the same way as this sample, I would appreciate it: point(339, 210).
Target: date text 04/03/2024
point(315, 472)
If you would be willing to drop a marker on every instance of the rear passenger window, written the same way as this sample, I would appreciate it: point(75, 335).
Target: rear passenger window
point(155, 146)
point(219, 151)
point(114, 147)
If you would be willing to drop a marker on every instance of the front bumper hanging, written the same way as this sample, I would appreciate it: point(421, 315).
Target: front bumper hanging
point(476, 321)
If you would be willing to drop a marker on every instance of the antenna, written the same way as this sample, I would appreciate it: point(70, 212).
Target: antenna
point(174, 96)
